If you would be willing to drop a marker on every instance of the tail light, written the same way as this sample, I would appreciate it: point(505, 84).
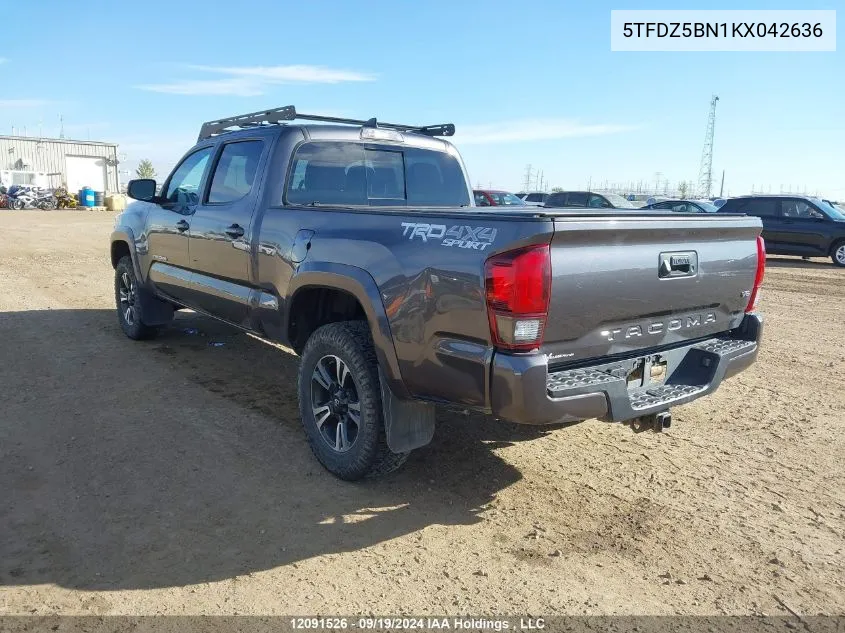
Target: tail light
point(758, 277)
point(518, 287)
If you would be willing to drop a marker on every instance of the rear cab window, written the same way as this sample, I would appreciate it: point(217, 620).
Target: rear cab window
point(358, 174)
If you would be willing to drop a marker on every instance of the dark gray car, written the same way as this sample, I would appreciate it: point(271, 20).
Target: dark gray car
point(587, 199)
point(357, 244)
point(796, 225)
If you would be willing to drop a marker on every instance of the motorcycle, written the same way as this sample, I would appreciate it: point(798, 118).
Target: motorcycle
point(29, 197)
point(18, 196)
point(64, 199)
point(45, 200)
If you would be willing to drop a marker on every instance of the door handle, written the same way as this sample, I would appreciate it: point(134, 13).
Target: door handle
point(182, 226)
point(235, 231)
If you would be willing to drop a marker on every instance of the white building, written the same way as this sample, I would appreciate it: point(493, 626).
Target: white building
point(55, 162)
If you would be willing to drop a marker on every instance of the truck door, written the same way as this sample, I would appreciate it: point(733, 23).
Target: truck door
point(167, 264)
point(220, 238)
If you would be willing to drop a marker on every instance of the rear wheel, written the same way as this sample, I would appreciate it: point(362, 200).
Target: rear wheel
point(340, 402)
point(837, 253)
point(129, 306)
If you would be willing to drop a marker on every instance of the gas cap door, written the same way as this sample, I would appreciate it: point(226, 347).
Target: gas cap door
point(301, 244)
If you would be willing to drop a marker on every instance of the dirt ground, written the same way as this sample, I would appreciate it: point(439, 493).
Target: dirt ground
point(173, 476)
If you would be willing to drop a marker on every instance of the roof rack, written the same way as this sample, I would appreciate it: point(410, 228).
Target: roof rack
point(289, 113)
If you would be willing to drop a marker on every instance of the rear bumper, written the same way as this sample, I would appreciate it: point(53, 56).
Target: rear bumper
point(523, 390)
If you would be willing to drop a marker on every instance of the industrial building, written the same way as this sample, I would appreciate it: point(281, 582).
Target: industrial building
point(58, 162)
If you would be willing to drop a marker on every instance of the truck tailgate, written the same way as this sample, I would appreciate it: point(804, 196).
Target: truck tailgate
point(623, 283)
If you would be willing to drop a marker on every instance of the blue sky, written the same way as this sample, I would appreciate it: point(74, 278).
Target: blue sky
point(530, 82)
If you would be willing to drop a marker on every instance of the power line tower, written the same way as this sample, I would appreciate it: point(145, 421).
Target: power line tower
point(527, 183)
point(705, 174)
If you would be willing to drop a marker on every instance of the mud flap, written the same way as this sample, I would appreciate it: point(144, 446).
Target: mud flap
point(154, 311)
point(408, 424)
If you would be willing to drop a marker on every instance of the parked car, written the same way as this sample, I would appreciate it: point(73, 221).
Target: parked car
point(493, 198)
point(356, 245)
point(795, 225)
point(587, 199)
point(533, 198)
point(685, 206)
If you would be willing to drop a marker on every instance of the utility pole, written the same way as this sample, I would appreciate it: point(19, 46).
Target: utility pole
point(705, 174)
point(722, 188)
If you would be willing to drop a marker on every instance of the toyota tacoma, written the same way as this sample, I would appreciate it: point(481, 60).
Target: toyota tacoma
point(357, 244)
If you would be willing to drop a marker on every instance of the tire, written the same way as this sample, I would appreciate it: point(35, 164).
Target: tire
point(837, 253)
point(128, 304)
point(347, 448)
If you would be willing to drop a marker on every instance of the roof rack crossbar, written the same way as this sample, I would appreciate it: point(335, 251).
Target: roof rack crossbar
point(289, 113)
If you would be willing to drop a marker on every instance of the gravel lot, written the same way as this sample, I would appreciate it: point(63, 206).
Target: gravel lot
point(173, 476)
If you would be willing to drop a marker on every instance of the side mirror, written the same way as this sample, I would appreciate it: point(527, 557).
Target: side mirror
point(143, 189)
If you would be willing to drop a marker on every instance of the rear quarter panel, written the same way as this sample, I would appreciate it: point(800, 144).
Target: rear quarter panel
point(428, 267)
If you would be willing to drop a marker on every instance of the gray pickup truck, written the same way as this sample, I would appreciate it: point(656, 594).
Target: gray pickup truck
point(356, 243)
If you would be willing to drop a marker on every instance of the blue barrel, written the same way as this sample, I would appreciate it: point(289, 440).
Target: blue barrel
point(87, 197)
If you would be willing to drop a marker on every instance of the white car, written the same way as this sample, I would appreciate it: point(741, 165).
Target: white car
point(533, 198)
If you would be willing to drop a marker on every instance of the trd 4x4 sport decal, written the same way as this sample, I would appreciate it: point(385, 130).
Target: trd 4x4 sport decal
point(459, 236)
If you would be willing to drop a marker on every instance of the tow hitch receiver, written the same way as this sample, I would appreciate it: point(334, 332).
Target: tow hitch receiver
point(655, 422)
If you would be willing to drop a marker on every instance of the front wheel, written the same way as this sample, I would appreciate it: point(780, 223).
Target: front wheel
point(340, 402)
point(837, 253)
point(128, 300)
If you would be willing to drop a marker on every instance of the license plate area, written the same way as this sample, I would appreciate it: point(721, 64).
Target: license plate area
point(636, 375)
point(650, 371)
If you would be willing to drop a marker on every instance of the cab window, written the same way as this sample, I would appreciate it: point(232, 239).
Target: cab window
point(347, 173)
point(235, 171)
point(184, 186)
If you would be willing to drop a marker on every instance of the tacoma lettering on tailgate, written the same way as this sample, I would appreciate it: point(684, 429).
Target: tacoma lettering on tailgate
point(659, 327)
